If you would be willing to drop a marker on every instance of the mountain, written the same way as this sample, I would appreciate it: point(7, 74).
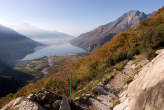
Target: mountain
point(38, 34)
point(11, 80)
point(14, 46)
point(104, 33)
point(112, 61)
point(8, 85)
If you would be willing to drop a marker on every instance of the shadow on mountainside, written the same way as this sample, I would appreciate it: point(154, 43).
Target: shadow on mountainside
point(11, 80)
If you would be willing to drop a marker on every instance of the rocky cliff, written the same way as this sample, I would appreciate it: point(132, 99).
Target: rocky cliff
point(146, 91)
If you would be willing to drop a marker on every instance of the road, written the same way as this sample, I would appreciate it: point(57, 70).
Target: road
point(50, 63)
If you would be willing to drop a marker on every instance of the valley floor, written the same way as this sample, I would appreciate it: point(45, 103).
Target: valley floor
point(40, 68)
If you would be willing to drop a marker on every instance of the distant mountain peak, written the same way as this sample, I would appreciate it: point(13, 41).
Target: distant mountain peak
point(37, 33)
point(104, 33)
point(135, 11)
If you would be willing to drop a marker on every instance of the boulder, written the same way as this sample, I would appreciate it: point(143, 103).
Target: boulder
point(56, 104)
point(42, 100)
point(102, 102)
point(99, 90)
point(64, 104)
point(97, 105)
point(22, 103)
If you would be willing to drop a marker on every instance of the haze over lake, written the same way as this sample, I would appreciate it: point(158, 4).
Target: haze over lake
point(59, 49)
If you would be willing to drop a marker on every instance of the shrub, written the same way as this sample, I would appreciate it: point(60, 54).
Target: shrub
point(150, 53)
point(129, 81)
point(102, 67)
point(158, 37)
point(132, 52)
point(121, 65)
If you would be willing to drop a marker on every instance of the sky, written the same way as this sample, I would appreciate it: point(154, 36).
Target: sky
point(70, 16)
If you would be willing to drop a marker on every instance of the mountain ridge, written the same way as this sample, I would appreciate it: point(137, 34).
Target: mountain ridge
point(37, 33)
point(100, 35)
point(14, 46)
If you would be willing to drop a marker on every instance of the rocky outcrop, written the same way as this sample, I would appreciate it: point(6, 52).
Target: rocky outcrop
point(22, 103)
point(102, 102)
point(123, 101)
point(148, 86)
point(113, 89)
point(146, 91)
point(43, 100)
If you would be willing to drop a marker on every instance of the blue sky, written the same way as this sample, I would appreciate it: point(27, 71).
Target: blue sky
point(70, 16)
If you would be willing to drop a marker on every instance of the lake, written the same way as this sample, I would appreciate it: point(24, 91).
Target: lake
point(65, 49)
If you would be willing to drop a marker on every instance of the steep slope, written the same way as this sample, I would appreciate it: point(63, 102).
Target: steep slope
point(8, 85)
point(14, 46)
point(148, 87)
point(145, 39)
point(104, 33)
point(147, 84)
point(112, 86)
point(11, 80)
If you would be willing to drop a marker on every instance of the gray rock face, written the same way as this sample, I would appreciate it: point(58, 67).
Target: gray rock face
point(22, 103)
point(122, 106)
point(146, 91)
point(99, 90)
point(43, 100)
point(123, 101)
point(102, 102)
point(64, 104)
point(113, 89)
point(96, 105)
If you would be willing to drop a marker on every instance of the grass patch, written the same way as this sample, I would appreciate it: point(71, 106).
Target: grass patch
point(121, 65)
point(129, 81)
point(138, 59)
point(116, 102)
